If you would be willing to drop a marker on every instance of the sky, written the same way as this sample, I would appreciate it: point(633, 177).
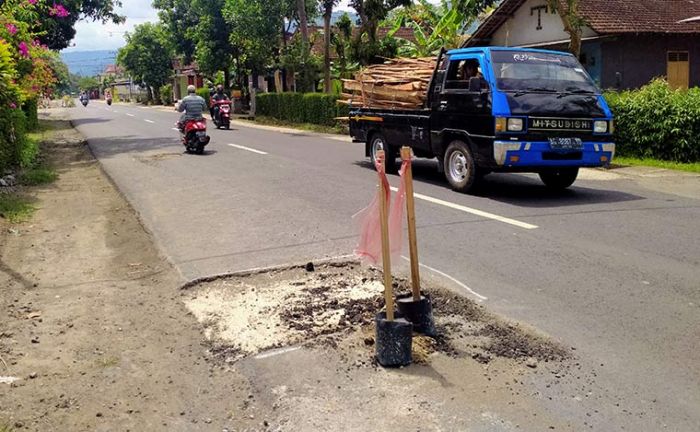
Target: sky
point(91, 36)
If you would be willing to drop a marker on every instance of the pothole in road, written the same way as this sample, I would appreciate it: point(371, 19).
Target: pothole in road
point(155, 158)
point(334, 307)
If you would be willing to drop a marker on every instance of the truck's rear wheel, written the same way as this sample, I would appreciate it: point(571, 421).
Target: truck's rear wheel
point(378, 142)
point(460, 169)
point(559, 178)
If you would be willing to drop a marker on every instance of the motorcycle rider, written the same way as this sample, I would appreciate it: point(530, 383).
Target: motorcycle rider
point(192, 107)
point(219, 96)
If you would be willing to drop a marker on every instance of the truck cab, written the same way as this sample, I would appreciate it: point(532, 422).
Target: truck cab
point(499, 110)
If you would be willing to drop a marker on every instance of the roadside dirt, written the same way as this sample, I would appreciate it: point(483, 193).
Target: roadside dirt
point(97, 335)
point(92, 328)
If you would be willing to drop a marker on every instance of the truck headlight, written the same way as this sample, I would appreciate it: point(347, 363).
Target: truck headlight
point(600, 126)
point(515, 125)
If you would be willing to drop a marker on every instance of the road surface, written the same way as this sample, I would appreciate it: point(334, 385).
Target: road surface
point(610, 267)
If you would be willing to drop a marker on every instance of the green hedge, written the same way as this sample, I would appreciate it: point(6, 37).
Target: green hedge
point(166, 94)
point(13, 138)
point(657, 122)
point(314, 108)
point(30, 108)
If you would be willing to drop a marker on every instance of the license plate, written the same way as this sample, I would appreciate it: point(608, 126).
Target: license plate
point(574, 144)
point(201, 134)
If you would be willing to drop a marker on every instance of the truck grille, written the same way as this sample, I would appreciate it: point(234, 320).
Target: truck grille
point(560, 124)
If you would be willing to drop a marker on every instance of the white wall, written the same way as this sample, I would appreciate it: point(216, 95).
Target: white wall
point(521, 28)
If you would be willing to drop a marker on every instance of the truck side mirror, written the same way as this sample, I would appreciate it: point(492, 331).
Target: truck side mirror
point(475, 85)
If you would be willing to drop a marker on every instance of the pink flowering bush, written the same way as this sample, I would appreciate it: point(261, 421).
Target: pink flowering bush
point(25, 72)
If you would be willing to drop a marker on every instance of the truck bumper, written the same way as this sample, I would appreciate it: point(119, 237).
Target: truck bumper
point(524, 154)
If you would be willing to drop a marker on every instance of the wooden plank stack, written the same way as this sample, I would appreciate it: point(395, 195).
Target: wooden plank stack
point(399, 84)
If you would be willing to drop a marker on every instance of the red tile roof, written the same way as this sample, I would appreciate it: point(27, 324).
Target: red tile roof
point(640, 16)
point(611, 17)
point(113, 70)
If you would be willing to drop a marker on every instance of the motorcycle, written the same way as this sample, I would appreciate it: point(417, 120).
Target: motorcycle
point(84, 101)
point(109, 101)
point(222, 114)
point(194, 135)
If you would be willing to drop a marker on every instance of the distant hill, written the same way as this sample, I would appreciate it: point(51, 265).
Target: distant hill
point(88, 63)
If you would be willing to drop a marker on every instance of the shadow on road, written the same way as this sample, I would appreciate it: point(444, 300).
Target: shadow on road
point(84, 121)
point(523, 190)
point(112, 146)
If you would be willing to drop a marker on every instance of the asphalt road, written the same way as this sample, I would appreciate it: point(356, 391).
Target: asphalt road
point(610, 267)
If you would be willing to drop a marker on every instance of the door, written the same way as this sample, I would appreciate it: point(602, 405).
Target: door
point(460, 108)
point(678, 69)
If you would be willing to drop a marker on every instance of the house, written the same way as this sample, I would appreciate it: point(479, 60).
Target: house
point(185, 75)
point(121, 84)
point(625, 43)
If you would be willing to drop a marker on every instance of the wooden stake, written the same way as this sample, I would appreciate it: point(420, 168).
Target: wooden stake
point(411, 213)
point(386, 252)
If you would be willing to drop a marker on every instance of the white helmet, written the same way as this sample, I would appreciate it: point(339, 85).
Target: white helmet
point(191, 89)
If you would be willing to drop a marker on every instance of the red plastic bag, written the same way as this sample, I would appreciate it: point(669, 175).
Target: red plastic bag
point(369, 247)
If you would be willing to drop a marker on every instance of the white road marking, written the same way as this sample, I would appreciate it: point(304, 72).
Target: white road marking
point(130, 115)
point(248, 149)
point(116, 112)
point(176, 129)
point(445, 275)
point(473, 211)
point(276, 352)
point(149, 121)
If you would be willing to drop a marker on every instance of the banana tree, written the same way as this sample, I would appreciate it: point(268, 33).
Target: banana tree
point(429, 38)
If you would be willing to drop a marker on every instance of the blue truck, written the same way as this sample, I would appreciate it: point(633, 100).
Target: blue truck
point(516, 110)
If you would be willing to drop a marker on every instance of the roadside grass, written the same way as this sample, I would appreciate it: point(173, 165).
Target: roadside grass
point(621, 161)
point(5, 428)
point(269, 121)
point(15, 209)
point(39, 175)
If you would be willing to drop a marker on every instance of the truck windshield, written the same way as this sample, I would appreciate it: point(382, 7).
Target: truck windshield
point(525, 72)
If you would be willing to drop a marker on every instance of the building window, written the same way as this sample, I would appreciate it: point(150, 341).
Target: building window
point(678, 69)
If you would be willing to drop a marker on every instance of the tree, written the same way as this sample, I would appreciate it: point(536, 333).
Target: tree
point(212, 35)
point(365, 47)
point(60, 72)
point(572, 20)
point(147, 56)
point(88, 83)
point(328, 6)
point(341, 40)
point(436, 26)
point(255, 28)
point(372, 12)
point(179, 19)
point(57, 31)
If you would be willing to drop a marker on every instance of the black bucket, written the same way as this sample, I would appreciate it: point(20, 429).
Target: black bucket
point(419, 313)
point(394, 340)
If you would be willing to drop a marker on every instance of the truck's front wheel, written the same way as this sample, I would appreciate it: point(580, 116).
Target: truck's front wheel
point(560, 178)
point(378, 142)
point(460, 169)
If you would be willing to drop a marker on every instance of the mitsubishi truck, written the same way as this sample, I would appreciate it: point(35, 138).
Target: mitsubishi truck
point(524, 110)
